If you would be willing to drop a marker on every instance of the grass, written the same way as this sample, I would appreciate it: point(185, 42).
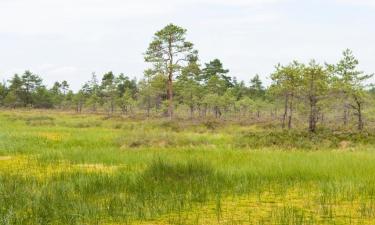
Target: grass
point(61, 168)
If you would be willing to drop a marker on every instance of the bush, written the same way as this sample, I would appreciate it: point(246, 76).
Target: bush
point(40, 121)
point(161, 140)
point(84, 124)
point(211, 124)
point(171, 125)
point(302, 139)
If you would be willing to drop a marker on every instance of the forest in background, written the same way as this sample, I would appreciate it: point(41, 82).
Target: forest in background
point(177, 85)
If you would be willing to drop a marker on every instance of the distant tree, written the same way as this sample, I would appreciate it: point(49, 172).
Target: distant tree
point(15, 83)
point(160, 97)
point(79, 101)
point(30, 83)
point(215, 85)
point(56, 88)
point(64, 87)
point(3, 92)
point(258, 106)
point(11, 100)
point(126, 102)
point(125, 84)
point(43, 98)
point(350, 82)
point(188, 87)
point(239, 89)
point(256, 88)
point(228, 101)
point(245, 105)
point(315, 85)
point(56, 94)
point(69, 101)
point(213, 101)
point(93, 101)
point(214, 69)
point(287, 81)
point(92, 90)
point(145, 91)
point(28, 90)
point(152, 90)
point(109, 91)
point(168, 51)
point(15, 92)
point(92, 86)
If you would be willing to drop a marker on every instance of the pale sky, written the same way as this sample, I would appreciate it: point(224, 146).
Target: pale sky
point(70, 39)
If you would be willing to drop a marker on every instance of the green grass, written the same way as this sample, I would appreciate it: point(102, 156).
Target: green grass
point(60, 168)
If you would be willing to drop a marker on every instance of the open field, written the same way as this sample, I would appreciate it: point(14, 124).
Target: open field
point(61, 168)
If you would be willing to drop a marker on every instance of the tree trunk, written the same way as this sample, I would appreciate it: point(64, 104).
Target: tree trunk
point(346, 112)
point(191, 106)
point(216, 111)
point(313, 114)
point(112, 107)
point(359, 113)
point(79, 107)
point(191, 111)
point(124, 109)
point(170, 97)
point(360, 120)
point(148, 106)
point(285, 110)
point(170, 80)
point(290, 113)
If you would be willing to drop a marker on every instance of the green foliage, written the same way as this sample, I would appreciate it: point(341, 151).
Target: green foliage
point(350, 83)
point(126, 102)
point(315, 82)
point(287, 79)
point(188, 87)
point(3, 92)
point(12, 100)
point(167, 52)
point(214, 70)
point(300, 94)
point(303, 140)
point(169, 42)
point(256, 88)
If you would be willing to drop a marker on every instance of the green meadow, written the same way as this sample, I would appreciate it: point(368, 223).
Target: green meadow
point(64, 168)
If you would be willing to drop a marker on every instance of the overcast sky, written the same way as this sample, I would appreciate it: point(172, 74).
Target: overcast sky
point(70, 39)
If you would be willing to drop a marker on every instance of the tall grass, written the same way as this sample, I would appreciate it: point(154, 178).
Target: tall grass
point(95, 170)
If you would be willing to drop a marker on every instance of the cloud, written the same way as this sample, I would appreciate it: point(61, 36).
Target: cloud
point(69, 39)
point(235, 2)
point(358, 2)
point(83, 19)
point(45, 16)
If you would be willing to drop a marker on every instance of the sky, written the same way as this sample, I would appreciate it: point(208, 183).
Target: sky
point(70, 39)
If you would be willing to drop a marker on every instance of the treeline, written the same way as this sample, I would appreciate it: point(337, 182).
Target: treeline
point(177, 85)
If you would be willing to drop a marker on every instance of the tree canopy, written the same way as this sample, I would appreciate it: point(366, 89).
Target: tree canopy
point(178, 84)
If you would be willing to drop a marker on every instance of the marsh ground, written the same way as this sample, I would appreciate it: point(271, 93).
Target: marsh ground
point(61, 168)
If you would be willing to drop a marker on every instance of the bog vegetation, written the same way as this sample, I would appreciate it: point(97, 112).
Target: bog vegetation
point(64, 168)
point(188, 145)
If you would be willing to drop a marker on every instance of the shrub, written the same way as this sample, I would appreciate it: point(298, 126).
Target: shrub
point(40, 121)
point(211, 124)
point(323, 139)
